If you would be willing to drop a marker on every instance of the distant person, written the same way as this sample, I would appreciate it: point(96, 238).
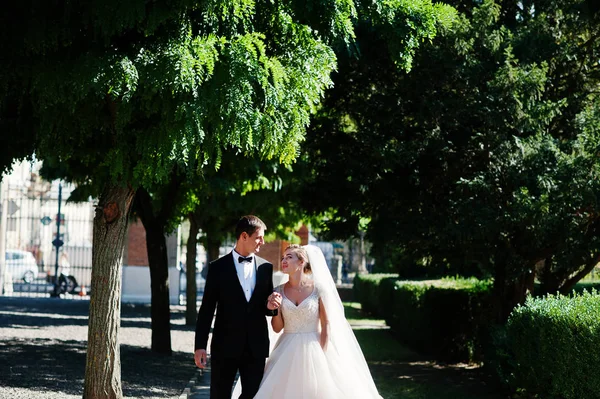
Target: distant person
point(239, 286)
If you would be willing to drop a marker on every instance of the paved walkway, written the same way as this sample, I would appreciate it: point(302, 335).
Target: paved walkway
point(198, 387)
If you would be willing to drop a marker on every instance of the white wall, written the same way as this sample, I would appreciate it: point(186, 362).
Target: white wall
point(136, 285)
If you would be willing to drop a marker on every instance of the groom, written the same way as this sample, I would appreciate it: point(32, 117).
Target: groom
point(240, 286)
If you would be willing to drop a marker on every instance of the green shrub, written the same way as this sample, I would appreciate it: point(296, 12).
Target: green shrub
point(367, 291)
point(447, 318)
point(553, 343)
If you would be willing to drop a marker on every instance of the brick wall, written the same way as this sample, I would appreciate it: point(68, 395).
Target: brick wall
point(303, 234)
point(272, 252)
point(135, 249)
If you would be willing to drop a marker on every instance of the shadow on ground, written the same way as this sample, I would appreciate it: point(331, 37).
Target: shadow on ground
point(43, 364)
point(56, 361)
point(414, 376)
point(48, 312)
point(59, 366)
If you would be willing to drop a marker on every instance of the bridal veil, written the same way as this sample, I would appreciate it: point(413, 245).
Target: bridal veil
point(346, 359)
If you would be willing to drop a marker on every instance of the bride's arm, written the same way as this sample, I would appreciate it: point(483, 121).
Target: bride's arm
point(277, 319)
point(324, 325)
point(277, 322)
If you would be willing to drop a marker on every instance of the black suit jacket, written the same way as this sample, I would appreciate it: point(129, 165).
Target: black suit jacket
point(238, 322)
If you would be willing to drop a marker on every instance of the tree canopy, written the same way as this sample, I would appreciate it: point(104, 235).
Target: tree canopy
point(137, 86)
point(481, 160)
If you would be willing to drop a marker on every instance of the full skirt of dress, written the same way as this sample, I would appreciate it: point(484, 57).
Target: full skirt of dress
point(298, 369)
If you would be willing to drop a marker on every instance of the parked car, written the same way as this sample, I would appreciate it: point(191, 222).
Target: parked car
point(21, 265)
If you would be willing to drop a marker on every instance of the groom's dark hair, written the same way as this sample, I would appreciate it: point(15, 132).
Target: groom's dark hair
point(248, 224)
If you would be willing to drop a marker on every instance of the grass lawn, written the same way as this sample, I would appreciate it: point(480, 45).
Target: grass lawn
point(401, 373)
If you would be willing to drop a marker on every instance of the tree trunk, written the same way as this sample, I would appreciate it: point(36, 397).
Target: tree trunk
point(190, 267)
point(103, 362)
point(156, 245)
point(160, 309)
point(510, 292)
point(550, 282)
point(212, 247)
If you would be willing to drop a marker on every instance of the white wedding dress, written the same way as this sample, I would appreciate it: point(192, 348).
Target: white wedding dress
point(298, 368)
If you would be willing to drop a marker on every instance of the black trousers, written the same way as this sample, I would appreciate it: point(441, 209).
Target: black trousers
point(223, 371)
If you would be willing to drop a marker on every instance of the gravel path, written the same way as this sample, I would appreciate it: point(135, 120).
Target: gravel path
point(43, 347)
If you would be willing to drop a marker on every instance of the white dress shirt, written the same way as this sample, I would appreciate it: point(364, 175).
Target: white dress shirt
point(246, 274)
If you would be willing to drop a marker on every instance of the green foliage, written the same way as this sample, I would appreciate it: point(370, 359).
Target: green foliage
point(483, 159)
point(240, 186)
point(124, 92)
point(403, 25)
point(146, 93)
point(367, 292)
point(448, 318)
point(552, 343)
point(387, 36)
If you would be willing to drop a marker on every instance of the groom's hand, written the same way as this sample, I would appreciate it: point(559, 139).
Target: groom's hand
point(200, 358)
point(274, 301)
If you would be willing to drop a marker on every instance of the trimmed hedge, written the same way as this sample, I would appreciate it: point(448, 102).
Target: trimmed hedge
point(447, 318)
point(367, 291)
point(552, 345)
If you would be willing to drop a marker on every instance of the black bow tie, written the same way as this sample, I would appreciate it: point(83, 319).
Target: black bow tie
point(243, 259)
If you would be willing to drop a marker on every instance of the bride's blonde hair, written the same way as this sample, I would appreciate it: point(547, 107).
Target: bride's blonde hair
point(302, 255)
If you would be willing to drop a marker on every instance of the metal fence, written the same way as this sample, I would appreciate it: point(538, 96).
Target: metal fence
point(46, 237)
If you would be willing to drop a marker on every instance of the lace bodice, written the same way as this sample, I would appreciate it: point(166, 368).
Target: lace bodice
point(302, 318)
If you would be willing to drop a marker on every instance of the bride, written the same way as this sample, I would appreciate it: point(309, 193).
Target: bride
point(317, 356)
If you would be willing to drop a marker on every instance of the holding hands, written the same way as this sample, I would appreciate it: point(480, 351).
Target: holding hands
point(274, 301)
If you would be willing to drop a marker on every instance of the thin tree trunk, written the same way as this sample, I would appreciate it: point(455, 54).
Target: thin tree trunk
point(156, 245)
point(550, 282)
point(212, 247)
point(159, 281)
point(211, 238)
point(103, 362)
point(190, 267)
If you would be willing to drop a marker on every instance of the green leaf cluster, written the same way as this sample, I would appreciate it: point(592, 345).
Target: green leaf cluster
point(480, 161)
point(123, 91)
point(551, 343)
point(448, 318)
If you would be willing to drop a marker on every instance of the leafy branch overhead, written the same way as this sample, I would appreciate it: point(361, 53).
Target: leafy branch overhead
point(146, 87)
